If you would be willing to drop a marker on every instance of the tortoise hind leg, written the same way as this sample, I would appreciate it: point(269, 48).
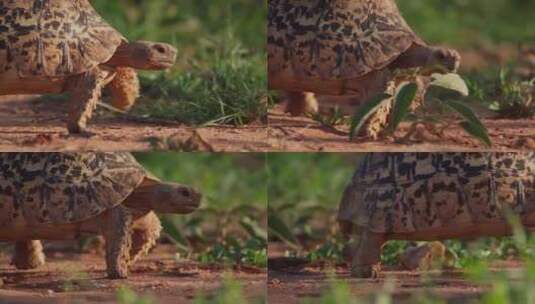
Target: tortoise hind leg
point(117, 232)
point(124, 88)
point(145, 232)
point(28, 255)
point(367, 256)
point(85, 90)
point(300, 103)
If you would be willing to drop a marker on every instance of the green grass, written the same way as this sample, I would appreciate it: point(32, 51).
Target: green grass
point(471, 23)
point(220, 75)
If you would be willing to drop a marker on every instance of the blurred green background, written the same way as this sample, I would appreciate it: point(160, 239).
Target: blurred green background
point(469, 23)
point(230, 226)
point(220, 75)
point(304, 192)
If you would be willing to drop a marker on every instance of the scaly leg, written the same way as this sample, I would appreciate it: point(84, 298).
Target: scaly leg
point(85, 90)
point(300, 103)
point(367, 257)
point(124, 88)
point(117, 232)
point(28, 254)
point(146, 230)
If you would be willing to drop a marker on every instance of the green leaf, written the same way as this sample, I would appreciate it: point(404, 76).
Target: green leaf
point(478, 131)
point(365, 111)
point(464, 110)
point(450, 81)
point(402, 104)
point(472, 125)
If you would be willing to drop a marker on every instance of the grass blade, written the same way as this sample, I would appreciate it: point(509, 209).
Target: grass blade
point(364, 112)
point(253, 228)
point(278, 228)
point(402, 104)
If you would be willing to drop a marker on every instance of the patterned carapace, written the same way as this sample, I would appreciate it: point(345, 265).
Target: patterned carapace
point(41, 188)
point(335, 38)
point(407, 192)
point(53, 37)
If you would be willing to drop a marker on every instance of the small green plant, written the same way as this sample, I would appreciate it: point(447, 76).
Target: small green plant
point(331, 250)
point(443, 91)
point(227, 85)
point(332, 119)
point(229, 293)
point(232, 251)
point(126, 295)
point(503, 93)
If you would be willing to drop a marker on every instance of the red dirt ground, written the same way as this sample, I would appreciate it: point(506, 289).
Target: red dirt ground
point(70, 277)
point(26, 125)
point(294, 280)
point(301, 134)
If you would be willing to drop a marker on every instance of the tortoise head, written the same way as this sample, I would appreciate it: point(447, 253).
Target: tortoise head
point(144, 55)
point(446, 58)
point(164, 197)
point(430, 58)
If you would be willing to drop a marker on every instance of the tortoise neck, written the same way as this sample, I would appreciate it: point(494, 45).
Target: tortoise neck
point(142, 198)
point(415, 56)
point(127, 55)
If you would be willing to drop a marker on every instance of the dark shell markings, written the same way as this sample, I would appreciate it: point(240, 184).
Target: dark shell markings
point(43, 188)
point(410, 192)
point(53, 37)
point(338, 38)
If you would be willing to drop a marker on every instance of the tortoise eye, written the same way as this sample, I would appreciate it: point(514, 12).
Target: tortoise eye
point(159, 48)
point(185, 192)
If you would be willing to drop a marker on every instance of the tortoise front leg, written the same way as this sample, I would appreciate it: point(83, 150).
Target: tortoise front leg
point(117, 232)
point(124, 88)
point(301, 103)
point(85, 90)
point(28, 254)
point(146, 230)
point(367, 257)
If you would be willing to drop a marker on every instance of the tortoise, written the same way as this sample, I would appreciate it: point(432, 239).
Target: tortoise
point(62, 196)
point(343, 47)
point(64, 46)
point(433, 197)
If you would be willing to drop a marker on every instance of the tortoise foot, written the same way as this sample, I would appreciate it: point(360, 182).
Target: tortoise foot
point(77, 130)
point(28, 255)
point(117, 274)
point(365, 271)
